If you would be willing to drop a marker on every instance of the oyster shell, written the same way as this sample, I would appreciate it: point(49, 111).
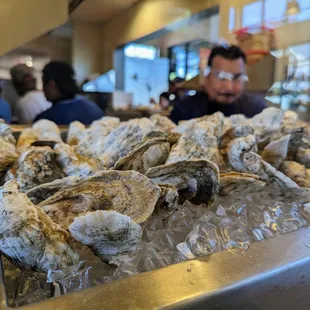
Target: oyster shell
point(8, 154)
point(172, 137)
point(6, 133)
point(303, 157)
point(74, 164)
point(233, 182)
point(150, 153)
point(236, 131)
point(121, 141)
point(41, 192)
point(290, 118)
point(107, 233)
point(236, 149)
point(46, 126)
point(127, 192)
point(297, 172)
point(168, 201)
point(196, 180)
point(34, 167)
point(239, 119)
point(76, 133)
point(253, 163)
point(162, 123)
point(276, 151)
point(30, 239)
point(197, 142)
point(93, 142)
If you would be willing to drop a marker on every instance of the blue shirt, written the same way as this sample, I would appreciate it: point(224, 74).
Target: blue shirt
point(77, 109)
point(200, 105)
point(5, 111)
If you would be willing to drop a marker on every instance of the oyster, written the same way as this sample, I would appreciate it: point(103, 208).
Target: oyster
point(196, 180)
point(303, 157)
point(46, 126)
point(297, 172)
point(121, 141)
point(76, 133)
point(127, 192)
point(254, 164)
point(236, 149)
point(26, 138)
point(30, 239)
point(290, 117)
point(74, 164)
point(41, 192)
point(197, 142)
point(34, 167)
point(239, 119)
point(276, 151)
point(107, 233)
point(168, 201)
point(8, 154)
point(162, 123)
point(233, 182)
point(236, 131)
point(172, 137)
point(150, 153)
point(6, 133)
point(93, 142)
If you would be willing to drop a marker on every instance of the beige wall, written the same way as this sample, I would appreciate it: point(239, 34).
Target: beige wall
point(23, 20)
point(144, 18)
point(55, 48)
point(86, 50)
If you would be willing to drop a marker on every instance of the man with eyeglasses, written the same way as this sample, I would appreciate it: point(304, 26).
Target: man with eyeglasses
point(225, 80)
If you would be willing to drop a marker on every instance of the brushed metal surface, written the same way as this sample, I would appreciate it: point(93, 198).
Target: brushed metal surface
point(272, 274)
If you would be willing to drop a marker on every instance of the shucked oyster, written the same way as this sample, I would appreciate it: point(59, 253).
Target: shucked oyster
point(150, 153)
point(34, 167)
point(127, 192)
point(74, 164)
point(196, 180)
point(107, 233)
point(197, 142)
point(43, 191)
point(233, 182)
point(76, 133)
point(30, 239)
point(8, 154)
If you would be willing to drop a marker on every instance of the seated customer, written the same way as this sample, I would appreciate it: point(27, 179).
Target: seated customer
point(224, 89)
point(59, 86)
point(5, 111)
point(32, 102)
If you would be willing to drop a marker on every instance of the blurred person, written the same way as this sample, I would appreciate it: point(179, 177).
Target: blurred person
point(10, 95)
point(32, 102)
point(5, 110)
point(224, 88)
point(60, 88)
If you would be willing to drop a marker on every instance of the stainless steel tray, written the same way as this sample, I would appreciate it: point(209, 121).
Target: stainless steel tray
point(272, 274)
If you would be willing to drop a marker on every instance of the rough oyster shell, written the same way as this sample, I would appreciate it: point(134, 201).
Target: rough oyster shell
point(276, 151)
point(8, 154)
point(6, 133)
point(303, 157)
point(34, 167)
point(162, 123)
point(297, 172)
point(150, 153)
point(76, 132)
point(29, 238)
point(168, 201)
point(107, 233)
point(233, 182)
point(41, 192)
point(236, 149)
point(127, 192)
point(196, 180)
point(172, 137)
point(197, 142)
point(74, 164)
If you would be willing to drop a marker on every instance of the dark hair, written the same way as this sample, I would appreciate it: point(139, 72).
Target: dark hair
point(64, 77)
point(164, 95)
point(230, 52)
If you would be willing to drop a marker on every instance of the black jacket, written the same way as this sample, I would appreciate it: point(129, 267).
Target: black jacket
point(200, 105)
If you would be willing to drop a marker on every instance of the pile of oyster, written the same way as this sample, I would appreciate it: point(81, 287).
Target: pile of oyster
point(148, 190)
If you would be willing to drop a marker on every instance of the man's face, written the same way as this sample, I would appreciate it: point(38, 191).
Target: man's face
point(221, 89)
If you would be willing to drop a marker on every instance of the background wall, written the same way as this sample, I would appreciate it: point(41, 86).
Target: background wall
point(86, 50)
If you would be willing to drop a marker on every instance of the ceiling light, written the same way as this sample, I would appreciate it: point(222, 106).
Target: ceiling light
point(292, 8)
point(29, 63)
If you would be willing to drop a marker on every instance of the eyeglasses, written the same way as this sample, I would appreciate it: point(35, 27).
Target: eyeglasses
point(223, 75)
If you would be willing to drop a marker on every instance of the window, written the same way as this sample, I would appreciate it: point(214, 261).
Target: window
point(274, 10)
point(252, 14)
point(232, 19)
